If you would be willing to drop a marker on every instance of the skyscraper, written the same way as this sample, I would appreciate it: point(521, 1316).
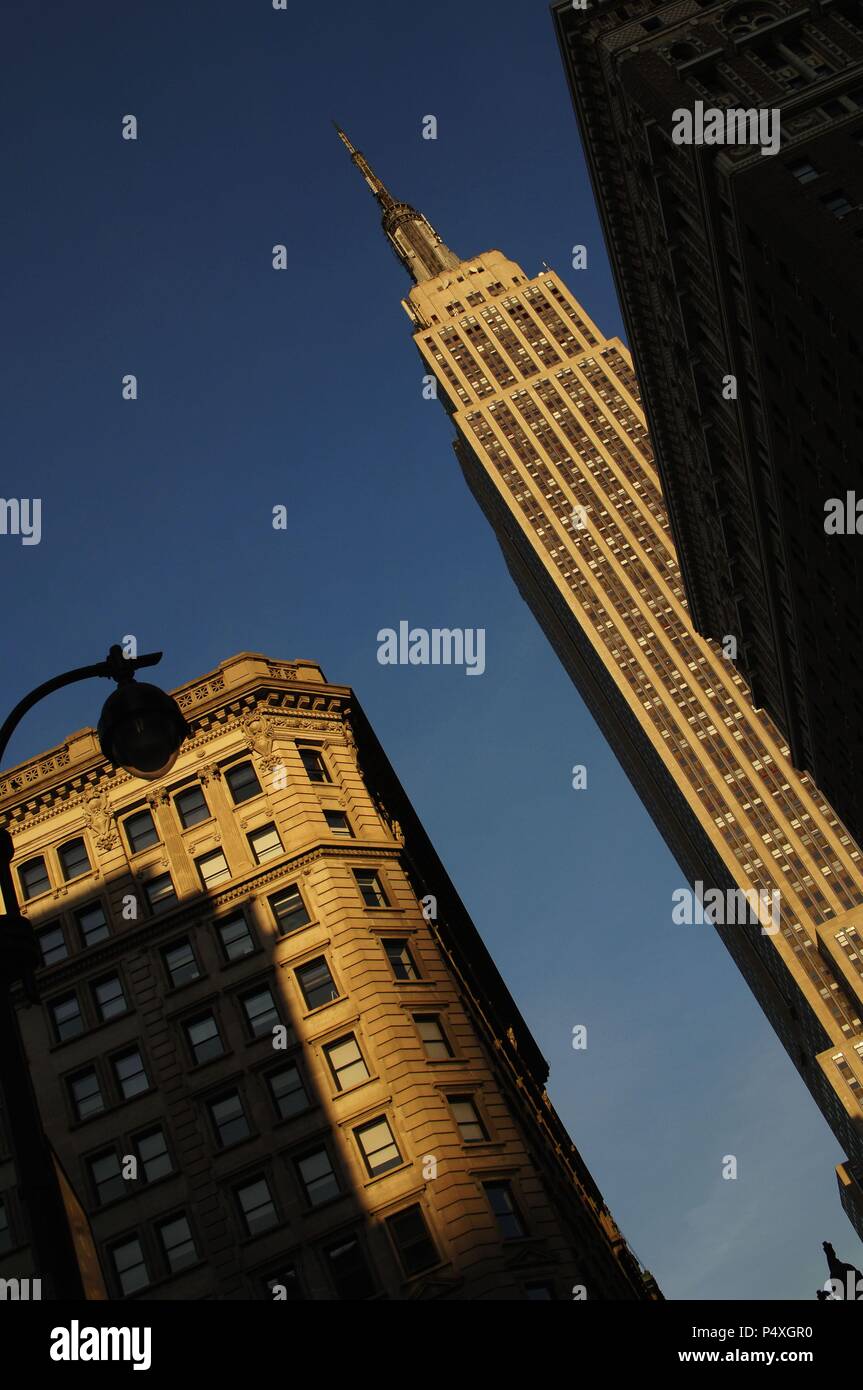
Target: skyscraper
point(739, 277)
point(271, 1050)
point(552, 441)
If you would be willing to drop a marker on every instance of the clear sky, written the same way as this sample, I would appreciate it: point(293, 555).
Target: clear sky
point(302, 388)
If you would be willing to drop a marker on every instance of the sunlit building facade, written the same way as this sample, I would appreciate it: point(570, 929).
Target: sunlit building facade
point(553, 443)
point(271, 1050)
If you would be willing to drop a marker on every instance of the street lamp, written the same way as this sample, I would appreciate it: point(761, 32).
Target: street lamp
point(141, 729)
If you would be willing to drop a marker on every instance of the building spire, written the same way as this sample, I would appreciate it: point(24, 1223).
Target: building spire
point(412, 237)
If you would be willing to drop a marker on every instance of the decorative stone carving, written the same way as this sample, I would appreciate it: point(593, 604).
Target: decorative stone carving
point(100, 821)
point(259, 736)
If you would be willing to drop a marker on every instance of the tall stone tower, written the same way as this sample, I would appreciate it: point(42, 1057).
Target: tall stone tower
point(552, 440)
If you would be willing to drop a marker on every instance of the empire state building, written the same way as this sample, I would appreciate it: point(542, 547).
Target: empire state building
point(552, 441)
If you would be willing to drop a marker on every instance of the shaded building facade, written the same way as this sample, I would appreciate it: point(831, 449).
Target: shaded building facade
point(271, 1050)
point(553, 443)
point(734, 264)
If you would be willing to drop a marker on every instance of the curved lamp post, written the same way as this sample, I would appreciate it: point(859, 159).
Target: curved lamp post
point(141, 729)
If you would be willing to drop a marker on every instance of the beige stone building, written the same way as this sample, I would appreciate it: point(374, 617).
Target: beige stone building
point(553, 443)
point(271, 1050)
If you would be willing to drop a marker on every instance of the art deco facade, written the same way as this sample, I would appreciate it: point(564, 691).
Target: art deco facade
point(731, 262)
point(261, 988)
point(553, 443)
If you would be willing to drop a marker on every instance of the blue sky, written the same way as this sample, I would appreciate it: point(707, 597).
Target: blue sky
point(303, 388)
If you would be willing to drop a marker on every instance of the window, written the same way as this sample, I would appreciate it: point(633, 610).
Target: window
point(378, 1147)
point(235, 936)
point(131, 1073)
point(803, 171)
point(317, 983)
point(6, 1238)
point(204, 1038)
point(837, 203)
point(506, 1212)
point(434, 1038)
point(92, 924)
point(314, 764)
point(33, 877)
point(160, 893)
point(130, 1266)
point(191, 806)
point(414, 1246)
point(52, 945)
point(141, 831)
point(153, 1155)
point(180, 962)
point(285, 1286)
point(67, 1017)
point(109, 997)
point(178, 1243)
point(229, 1119)
point(346, 1062)
point(257, 1206)
point(318, 1177)
point(289, 910)
point(213, 868)
point(265, 844)
point(370, 886)
point(348, 1269)
point(465, 1114)
point(338, 823)
point(401, 960)
point(106, 1176)
point(74, 859)
point(243, 782)
point(261, 1012)
point(86, 1094)
point(289, 1094)
point(539, 1293)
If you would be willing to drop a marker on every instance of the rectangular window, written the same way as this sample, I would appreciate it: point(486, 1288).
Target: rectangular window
point(318, 1177)
point(265, 844)
point(289, 1094)
point(837, 203)
point(243, 782)
point(33, 877)
point(204, 1038)
point(346, 1062)
point(401, 960)
point(466, 1116)
point(414, 1246)
point(257, 1206)
point(141, 831)
point(178, 1243)
point(286, 1284)
point(261, 1012)
point(67, 1017)
point(505, 1210)
point(109, 997)
point(213, 869)
point(235, 936)
point(434, 1038)
point(74, 859)
point(539, 1293)
point(289, 910)
point(180, 962)
point(802, 170)
point(106, 1177)
point(229, 1119)
point(338, 823)
point(370, 887)
point(130, 1266)
point(131, 1073)
point(349, 1271)
point(316, 983)
point(191, 806)
point(153, 1155)
point(160, 894)
point(92, 924)
point(378, 1147)
point(316, 768)
point(86, 1094)
point(6, 1238)
point(52, 945)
